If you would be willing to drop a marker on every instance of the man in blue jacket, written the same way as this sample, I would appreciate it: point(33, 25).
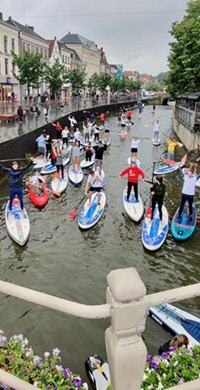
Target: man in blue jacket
point(15, 175)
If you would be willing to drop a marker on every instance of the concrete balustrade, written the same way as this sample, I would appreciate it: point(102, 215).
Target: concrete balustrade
point(127, 307)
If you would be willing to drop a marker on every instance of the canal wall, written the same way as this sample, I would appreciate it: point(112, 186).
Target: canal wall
point(189, 138)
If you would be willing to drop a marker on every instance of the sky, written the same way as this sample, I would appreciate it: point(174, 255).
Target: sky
point(134, 33)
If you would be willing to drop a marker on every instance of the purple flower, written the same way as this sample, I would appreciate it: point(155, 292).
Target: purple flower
point(11, 357)
point(4, 387)
point(149, 358)
point(77, 382)
point(24, 372)
point(66, 372)
point(164, 354)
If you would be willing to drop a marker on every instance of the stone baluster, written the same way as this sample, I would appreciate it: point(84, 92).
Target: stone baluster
point(125, 348)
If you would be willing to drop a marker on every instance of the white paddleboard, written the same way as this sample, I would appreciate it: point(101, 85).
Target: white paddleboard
point(76, 175)
point(134, 209)
point(67, 150)
point(41, 164)
point(137, 162)
point(155, 142)
point(90, 214)
point(18, 225)
point(87, 164)
point(52, 168)
point(154, 232)
point(58, 184)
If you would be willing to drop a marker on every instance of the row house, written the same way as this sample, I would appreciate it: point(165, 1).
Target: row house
point(104, 65)
point(131, 75)
point(87, 51)
point(30, 41)
point(9, 86)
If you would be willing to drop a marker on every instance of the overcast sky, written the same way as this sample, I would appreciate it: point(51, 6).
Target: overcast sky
point(134, 33)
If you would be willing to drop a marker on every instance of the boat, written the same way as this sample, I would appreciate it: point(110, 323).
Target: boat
point(177, 321)
point(162, 170)
point(58, 184)
point(98, 372)
point(17, 225)
point(155, 142)
point(185, 172)
point(182, 228)
point(90, 214)
point(138, 163)
point(133, 208)
point(87, 164)
point(52, 168)
point(154, 231)
point(39, 200)
point(75, 175)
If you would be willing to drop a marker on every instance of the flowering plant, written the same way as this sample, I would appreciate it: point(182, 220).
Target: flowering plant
point(172, 368)
point(17, 358)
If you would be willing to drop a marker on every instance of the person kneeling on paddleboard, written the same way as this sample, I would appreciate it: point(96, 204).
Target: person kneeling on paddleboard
point(133, 173)
point(158, 193)
point(94, 184)
point(15, 175)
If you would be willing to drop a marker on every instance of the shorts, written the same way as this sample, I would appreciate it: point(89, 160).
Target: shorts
point(95, 189)
point(107, 131)
point(123, 125)
point(134, 150)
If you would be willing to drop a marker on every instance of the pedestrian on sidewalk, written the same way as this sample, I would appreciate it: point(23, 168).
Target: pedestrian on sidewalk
point(20, 114)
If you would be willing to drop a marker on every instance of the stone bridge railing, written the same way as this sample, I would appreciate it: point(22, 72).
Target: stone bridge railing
point(127, 307)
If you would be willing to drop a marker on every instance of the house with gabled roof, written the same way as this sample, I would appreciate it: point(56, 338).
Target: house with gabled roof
point(88, 52)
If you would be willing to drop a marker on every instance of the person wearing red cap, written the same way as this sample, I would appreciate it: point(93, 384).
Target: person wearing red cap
point(133, 173)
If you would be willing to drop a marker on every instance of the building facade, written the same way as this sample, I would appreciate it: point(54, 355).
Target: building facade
point(9, 86)
point(87, 51)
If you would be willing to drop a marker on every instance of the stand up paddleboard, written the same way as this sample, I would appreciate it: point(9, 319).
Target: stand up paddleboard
point(154, 231)
point(87, 164)
point(168, 168)
point(138, 163)
point(58, 184)
point(182, 228)
point(67, 150)
point(41, 164)
point(75, 175)
point(156, 142)
point(133, 208)
point(90, 214)
point(98, 372)
point(177, 321)
point(17, 225)
point(52, 168)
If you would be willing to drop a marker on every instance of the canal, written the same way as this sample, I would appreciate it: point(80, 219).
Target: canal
point(61, 260)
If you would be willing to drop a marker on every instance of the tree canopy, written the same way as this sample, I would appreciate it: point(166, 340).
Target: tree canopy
point(54, 75)
point(184, 57)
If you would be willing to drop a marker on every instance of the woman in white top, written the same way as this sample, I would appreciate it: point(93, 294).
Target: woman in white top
point(65, 134)
point(188, 190)
point(94, 184)
point(156, 130)
point(77, 135)
point(134, 146)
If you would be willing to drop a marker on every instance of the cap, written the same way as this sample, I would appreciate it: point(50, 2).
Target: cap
point(14, 162)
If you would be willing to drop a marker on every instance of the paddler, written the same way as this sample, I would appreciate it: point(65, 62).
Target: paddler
point(36, 181)
point(133, 174)
point(94, 184)
point(188, 190)
point(158, 193)
point(135, 141)
point(171, 147)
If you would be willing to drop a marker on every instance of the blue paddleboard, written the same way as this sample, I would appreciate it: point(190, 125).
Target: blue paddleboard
point(154, 232)
point(184, 227)
point(90, 214)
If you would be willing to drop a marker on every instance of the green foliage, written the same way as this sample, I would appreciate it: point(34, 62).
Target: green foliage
point(30, 69)
point(17, 358)
point(105, 80)
point(77, 78)
point(155, 87)
point(184, 57)
point(93, 83)
point(54, 76)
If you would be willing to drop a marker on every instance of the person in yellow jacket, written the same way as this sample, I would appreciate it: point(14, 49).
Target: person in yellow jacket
point(171, 148)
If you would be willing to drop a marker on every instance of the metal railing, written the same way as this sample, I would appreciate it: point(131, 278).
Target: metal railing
point(127, 307)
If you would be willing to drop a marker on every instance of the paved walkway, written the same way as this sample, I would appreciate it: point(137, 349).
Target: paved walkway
point(33, 121)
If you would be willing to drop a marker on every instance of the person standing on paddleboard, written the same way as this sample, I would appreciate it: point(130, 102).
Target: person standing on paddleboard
point(76, 152)
point(158, 193)
point(58, 128)
point(99, 151)
point(188, 190)
point(59, 162)
point(134, 146)
point(133, 173)
point(94, 184)
point(89, 152)
point(171, 148)
point(156, 130)
point(15, 175)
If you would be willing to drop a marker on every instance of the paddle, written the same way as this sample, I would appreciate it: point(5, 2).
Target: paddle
point(117, 177)
point(16, 159)
point(73, 213)
point(149, 208)
point(147, 124)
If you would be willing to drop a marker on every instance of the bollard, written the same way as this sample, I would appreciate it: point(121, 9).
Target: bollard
point(125, 348)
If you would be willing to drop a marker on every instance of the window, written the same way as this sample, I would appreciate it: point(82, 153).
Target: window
point(63, 58)
point(23, 46)
point(46, 54)
point(5, 44)
point(13, 67)
point(37, 50)
point(6, 65)
point(28, 47)
point(33, 49)
point(41, 51)
point(13, 44)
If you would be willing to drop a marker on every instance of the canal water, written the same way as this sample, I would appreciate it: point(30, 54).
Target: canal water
point(62, 260)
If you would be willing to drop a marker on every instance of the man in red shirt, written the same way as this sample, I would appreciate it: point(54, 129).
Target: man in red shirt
point(133, 172)
point(58, 129)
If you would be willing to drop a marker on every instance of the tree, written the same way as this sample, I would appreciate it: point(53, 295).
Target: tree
point(77, 78)
point(105, 79)
point(29, 70)
point(93, 83)
point(54, 76)
point(184, 57)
